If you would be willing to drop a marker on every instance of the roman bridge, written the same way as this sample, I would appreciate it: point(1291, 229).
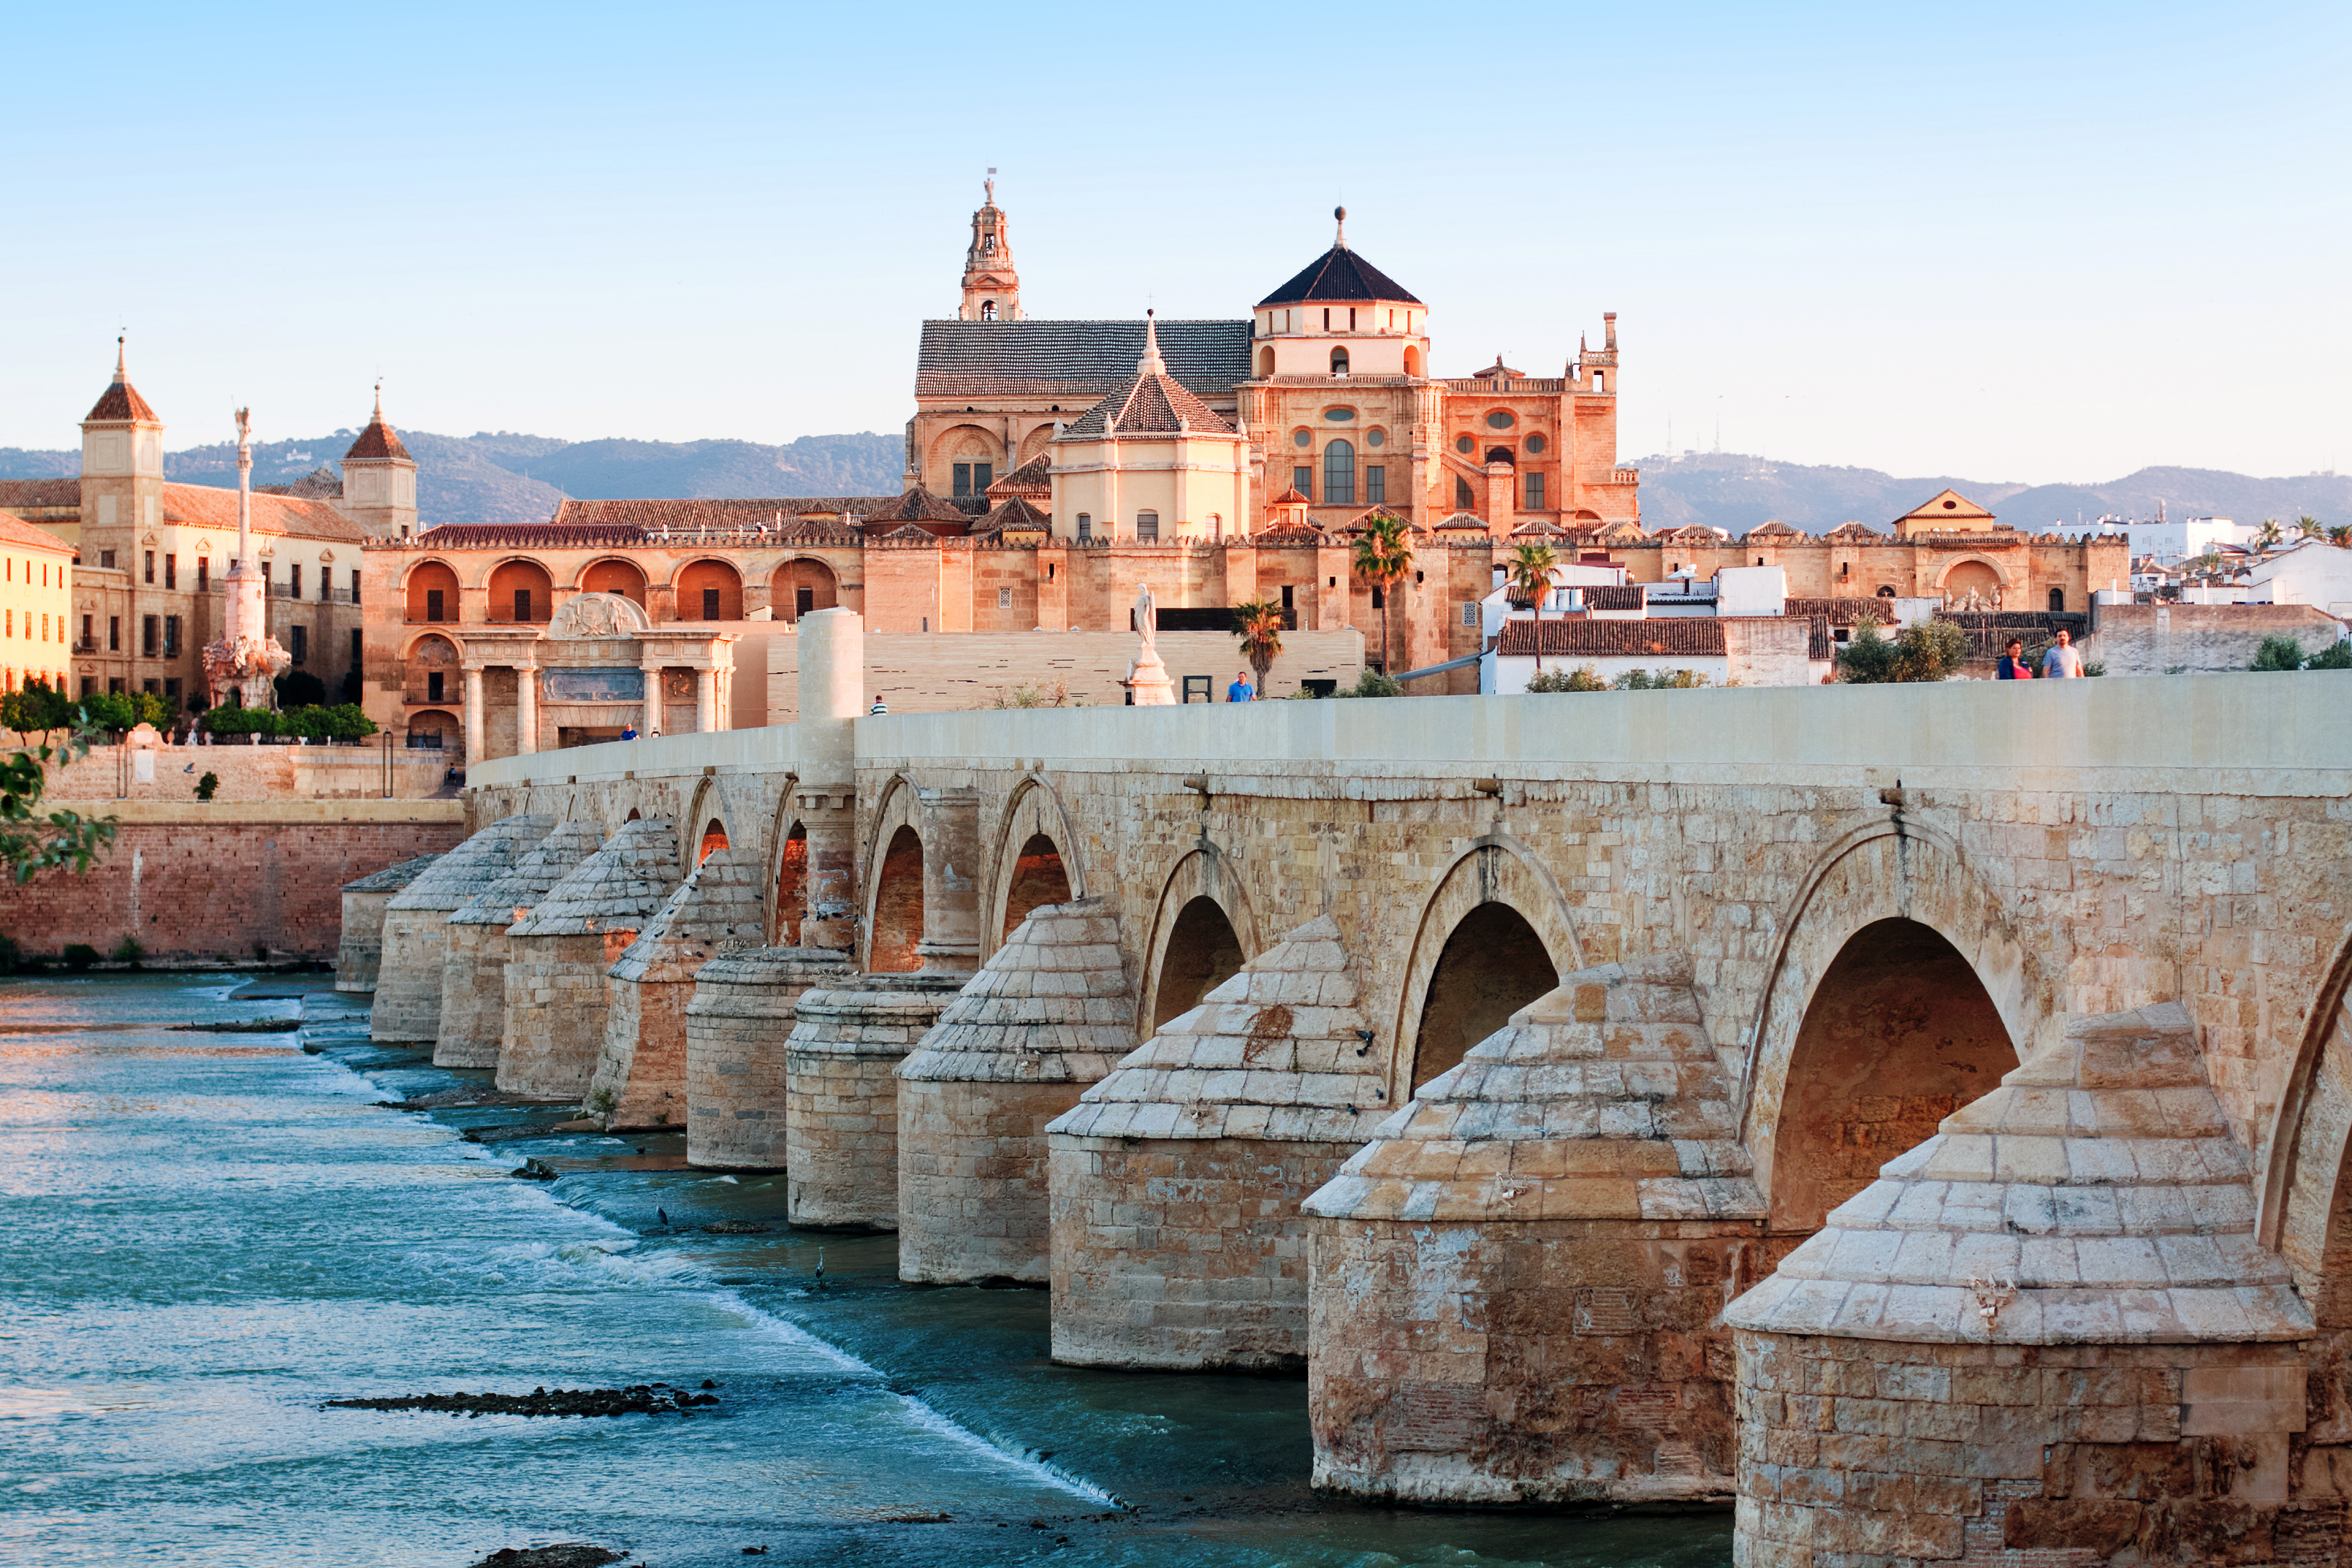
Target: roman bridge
point(1921, 1112)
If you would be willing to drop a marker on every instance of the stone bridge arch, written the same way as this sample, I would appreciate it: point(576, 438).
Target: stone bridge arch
point(1203, 931)
point(1025, 874)
point(706, 805)
point(786, 857)
point(2306, 1189)
point(1495, 921)
point(1904, 885)
point(893, 905)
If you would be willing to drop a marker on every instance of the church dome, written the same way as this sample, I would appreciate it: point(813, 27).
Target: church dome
point(1340, 275)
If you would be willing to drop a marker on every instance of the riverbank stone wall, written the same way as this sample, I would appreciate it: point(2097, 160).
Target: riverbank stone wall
point(1051, 1012)
point(474, 972)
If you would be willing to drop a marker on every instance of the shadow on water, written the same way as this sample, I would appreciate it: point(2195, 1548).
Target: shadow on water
point(245, 1235)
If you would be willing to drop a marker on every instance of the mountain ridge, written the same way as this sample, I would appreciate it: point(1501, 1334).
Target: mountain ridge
point(506, 477)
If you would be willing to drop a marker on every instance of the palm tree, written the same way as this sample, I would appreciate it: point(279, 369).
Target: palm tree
point(1384, 555)
point(2267, 536)
point(2340, 534)
point(2308, 526)
point(1259, 625)
point(1528, 572)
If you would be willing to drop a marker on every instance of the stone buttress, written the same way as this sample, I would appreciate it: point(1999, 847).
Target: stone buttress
point(736, 1027)
point(1516, 1282)
point(640, 1078)
point(1177, 1237)
point(416, 932)
point(1051, 1012)
point(360, 953)
point(2046, 1335)
point(556, 990)
point(474, 971)
point(840, 1101)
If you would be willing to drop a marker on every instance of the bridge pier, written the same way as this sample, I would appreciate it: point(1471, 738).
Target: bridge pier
point(640, 1078)
point(1175, 1184)
point(841, 1116)
point(2049, 1329)
point(1051, 1012)
point(1515, 1281)
point(557, 996)
point(736, 1025)
point(359, 955)
point(415, 926)
point(474, 971)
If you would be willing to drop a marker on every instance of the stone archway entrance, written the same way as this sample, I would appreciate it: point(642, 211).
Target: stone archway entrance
point(1492, 964)
point(1899, 1034)
point(897, 907)
point(1203, 953)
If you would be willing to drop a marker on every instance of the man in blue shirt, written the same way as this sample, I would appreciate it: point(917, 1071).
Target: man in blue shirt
point(1241, 691)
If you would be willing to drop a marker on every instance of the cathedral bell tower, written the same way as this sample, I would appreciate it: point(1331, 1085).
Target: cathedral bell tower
point(380, 480)
point(992, 289)
point(122, 473)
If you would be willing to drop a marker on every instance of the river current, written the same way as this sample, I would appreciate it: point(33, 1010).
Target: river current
point(208, 1234)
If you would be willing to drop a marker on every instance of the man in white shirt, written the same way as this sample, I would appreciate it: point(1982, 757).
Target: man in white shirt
point(2064, 661)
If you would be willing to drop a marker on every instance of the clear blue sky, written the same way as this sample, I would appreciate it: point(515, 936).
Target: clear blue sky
point(2013, 242)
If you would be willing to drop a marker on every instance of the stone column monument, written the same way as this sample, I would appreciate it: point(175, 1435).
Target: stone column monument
point(242, 662)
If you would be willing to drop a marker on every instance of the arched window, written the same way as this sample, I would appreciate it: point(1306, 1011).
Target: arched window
point(1264, 364)
point(2057, 601)
point(1339, 473)
point(1339, 361)
point(1086, 528)
point(988, 307)
point(1146, 527)
point(1886, 592)
point(1411, 359)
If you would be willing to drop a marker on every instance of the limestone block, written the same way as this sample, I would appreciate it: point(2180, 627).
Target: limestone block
point(1051, 1012)
point(1175, 1182)
point(641, 1073)
point(415, 935)
point(736, 1027)
point(841, 1094)
point(472, 975)
point(362, 951)
point(1515, 1282)
point(556, 992)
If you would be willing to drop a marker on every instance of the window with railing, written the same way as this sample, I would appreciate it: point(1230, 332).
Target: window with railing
point(298, 644)
point(171, 637)
point(1146, 527)
point(150, 634)
point(425, 739)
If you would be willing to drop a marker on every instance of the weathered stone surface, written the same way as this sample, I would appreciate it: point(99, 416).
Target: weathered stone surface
point(362, 951)
point(841, 1094)
point(473, 975)
point(736, 1027)
point(1176, 1182)
point(1515, 1282)
point(556, 995)
point(640, 1078)
point(1051, 1013)
point(416, 933)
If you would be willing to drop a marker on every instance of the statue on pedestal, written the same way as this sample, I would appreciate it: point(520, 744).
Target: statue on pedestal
point(245, 658)
point(1147, 678)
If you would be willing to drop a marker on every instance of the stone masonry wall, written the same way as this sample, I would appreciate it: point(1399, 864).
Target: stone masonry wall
point(972, 1167)
point(221, 889)
point(736, 1027)
point(556, 1002)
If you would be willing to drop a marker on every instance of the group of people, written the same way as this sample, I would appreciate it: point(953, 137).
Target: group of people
point(2062, 661)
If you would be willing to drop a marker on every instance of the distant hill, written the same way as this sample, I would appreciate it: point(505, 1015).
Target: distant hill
point(1736, 492)
point(502, 476)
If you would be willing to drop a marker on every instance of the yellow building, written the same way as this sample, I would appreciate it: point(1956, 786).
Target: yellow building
point(35, 598)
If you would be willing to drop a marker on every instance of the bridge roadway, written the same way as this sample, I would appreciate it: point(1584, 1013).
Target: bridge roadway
point(1712, 1186)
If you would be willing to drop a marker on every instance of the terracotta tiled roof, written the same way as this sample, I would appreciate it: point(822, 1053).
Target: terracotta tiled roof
point(1947, 508)
point(1363, 520)
point(1031, 480)
point(378, 440)
point(519, 536)
point(1854, 534)
point(121, 400)
point(1340, 274)
point(1463, 522)
point(688, 515)
point(203, 506)
point(1775, 529)
point(935, 514)
point(1537, 528)
point(1149, 404)
point(1288, 536)
point(1692, 533)
point(1074, 363)
point(1674, 637)
point(31, 493)
point(1819, 644)
point(1845, 610)
point(912, 534)
point(1014, 515)
point(1615, 597)
point(321, 483)
point(1499, 370)
point(1290, 497)
point(23, 535)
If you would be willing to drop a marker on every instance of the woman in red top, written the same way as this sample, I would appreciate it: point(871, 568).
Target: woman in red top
point(2012, 663)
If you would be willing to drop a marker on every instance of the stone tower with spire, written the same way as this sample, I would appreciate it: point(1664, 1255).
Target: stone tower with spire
point(380, 480)
point(992, 289)
point(122, 472)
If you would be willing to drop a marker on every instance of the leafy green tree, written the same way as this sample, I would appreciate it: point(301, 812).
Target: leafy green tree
point(1659, 680)
point(1528, 572)
point(1384, 555)
point(1583, 677)
point(35, 709)
point(32, 842)
point(150, 707)
point(2335, 656)
point(1258, 625)
point(351, 722)
point(1928, 650)
point(300, 689)
point(111, 711)
point(2280, 653)
point(1372, 683)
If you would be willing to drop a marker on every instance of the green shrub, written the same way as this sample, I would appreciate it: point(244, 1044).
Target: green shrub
point(2335, 656)
point(1372, 683)
point(128, 951)
point(241, 722)
point(300, 689)
point(207, 786)
point(1930, 650)
point(1583, 677)
point(80, 955)
point(2278, 653)
point(1659, 680)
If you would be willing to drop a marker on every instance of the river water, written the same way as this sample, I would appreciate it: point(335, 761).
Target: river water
point(208, 1234)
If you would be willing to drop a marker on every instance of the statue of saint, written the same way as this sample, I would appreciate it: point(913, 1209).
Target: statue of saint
point(1147, 616)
